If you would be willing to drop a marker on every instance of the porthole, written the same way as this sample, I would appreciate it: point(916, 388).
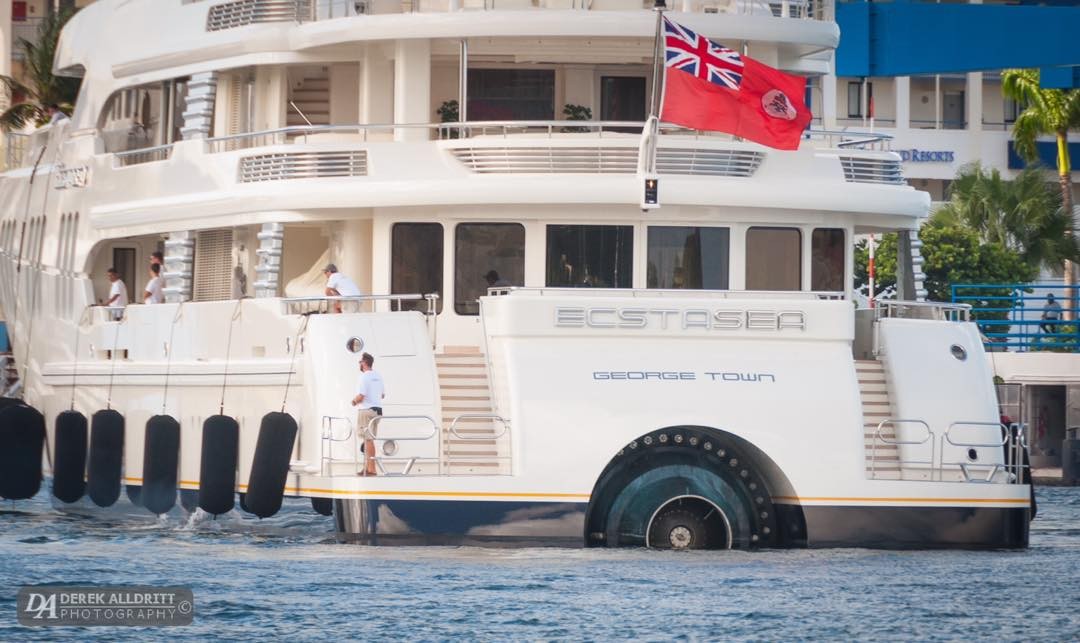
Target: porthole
point(958, 352)
point(354, 345)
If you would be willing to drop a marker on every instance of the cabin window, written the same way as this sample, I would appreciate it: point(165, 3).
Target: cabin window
point(622, 98)
point(773, 259)
point(479, 250)
point(827, 260)
point(144, 116)
point(599, 256)
point(685, 257)
point(417, 262)
point(511, 94)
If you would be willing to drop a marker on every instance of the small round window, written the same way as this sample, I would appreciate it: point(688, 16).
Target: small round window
point(958, 352)
point(354, 345)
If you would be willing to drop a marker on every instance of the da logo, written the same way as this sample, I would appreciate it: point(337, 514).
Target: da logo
point(778, 105)
point(41, 604)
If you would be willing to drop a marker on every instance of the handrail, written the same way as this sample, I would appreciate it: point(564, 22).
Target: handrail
point(290, 303)
point(328, 437)
point(457, 131)
point(893, 422)
point(895, 308)
point(936, 466)
point(370, 434)
point(480, 416)
point(321, 10)
point(658, 292)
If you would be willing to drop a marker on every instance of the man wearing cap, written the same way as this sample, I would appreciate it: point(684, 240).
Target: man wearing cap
point(338, 285)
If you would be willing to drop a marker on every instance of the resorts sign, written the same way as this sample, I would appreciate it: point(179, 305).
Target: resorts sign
point(926, 156)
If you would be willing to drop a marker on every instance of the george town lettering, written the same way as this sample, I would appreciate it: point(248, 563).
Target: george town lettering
point(685, 319)
point(684, 376)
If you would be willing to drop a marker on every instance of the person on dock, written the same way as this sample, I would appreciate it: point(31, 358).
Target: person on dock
point(370, 393)
point(154, 293)
point(1051, 313)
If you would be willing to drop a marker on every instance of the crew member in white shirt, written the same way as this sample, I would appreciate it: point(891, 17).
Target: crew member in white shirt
point(338, 285)
point(118, 295)
point(155, 289)
point(370, 393)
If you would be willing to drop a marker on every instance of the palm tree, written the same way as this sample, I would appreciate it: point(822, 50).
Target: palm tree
point(1047, 112)
point(44, 88)
point(1023, 215)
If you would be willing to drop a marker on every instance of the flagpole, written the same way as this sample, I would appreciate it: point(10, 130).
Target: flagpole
point(651, 130)
point(658, 59)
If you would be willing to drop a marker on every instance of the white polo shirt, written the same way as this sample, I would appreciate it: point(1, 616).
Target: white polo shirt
point(118, 288)
point(157, 293)
point(345, 286)
point(370, 385)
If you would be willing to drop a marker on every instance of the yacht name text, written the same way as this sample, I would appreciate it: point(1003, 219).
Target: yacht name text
point(684, 319)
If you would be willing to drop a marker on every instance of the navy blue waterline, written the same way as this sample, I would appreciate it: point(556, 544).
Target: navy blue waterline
point(286, 579)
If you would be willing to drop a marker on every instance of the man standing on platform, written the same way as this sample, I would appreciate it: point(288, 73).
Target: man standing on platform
point(369, 396)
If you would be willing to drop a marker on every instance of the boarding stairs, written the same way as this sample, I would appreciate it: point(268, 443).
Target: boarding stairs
point(882, 456)
point(473, 442)
point(310, 95)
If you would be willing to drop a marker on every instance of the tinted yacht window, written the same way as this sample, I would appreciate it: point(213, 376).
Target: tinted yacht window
point(685, 257)
point(416, 262)
point(479, 250)
point(596, 256)
point(511, 94)
point(773, 259)
point(827, 260)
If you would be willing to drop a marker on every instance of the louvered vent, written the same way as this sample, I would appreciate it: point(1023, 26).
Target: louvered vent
point(246, 12)
point(606, 160)
point(213, 265)
point(548, 160)
point(868, 169)
point(706, 162)
point(302, 165)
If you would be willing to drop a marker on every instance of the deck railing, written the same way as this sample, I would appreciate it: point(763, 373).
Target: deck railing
point(314, 10)
point(1013, 316)
point(961, 436)
point(15, 144)
point(570, 130)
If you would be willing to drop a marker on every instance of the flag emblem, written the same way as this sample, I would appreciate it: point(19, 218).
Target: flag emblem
point(701, 57)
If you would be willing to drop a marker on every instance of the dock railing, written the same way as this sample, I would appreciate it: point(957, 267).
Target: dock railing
point(1020, 317)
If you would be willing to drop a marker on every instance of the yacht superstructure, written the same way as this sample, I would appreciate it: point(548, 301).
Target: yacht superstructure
point(694, 375)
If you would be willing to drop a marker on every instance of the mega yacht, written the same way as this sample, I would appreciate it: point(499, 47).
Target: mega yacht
point(578, 348)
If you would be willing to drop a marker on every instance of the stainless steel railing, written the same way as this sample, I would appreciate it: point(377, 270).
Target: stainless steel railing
point(506, 129)
point(880, 438)
point(332, 9)
point(367, 303)
point(388, 445)
point(891, 308)
point(143, 155)
point(675, 293)
point(1011, 439)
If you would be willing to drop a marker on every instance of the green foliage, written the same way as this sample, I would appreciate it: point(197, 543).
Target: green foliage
point(448, 112)
point(952, 255)
point(44, 87)
point(1024, 215)
point(1046, 112)
point(576, 113)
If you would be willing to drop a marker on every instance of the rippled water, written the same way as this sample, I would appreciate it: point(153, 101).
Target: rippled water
point(285, 579)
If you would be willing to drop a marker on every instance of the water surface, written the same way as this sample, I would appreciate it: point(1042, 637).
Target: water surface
point(286, 579)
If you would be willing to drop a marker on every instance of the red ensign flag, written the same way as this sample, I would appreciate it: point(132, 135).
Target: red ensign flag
point(710, 87)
